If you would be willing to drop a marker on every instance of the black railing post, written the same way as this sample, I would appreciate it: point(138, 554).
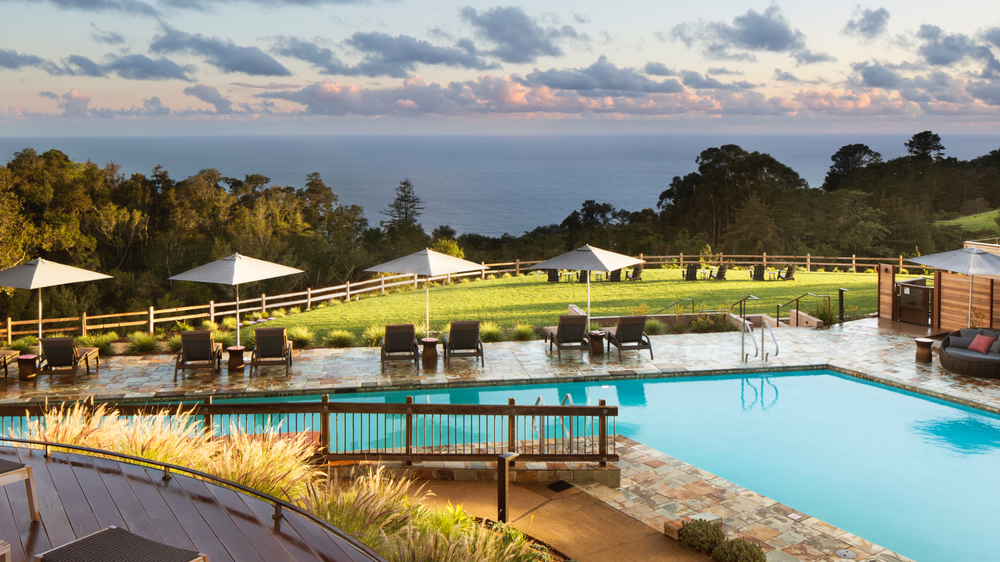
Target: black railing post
point(209, 424)
point(505, 462)
point(511, 428)
point(409, 431)
point(603, 436)
point(324, 427)
point(842, 291)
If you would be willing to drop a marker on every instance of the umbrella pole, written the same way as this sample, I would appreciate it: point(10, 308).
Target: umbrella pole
point(971, 279)
point(588, 301)
point(238, 324)
point(427, 309)
point(39, 319)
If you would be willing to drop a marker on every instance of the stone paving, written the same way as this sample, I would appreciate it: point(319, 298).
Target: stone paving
point(858, 348)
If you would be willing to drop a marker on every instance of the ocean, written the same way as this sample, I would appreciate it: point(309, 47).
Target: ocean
point(489, 185)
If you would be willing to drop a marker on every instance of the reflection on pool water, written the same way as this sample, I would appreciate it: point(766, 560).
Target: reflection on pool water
point(912, 474)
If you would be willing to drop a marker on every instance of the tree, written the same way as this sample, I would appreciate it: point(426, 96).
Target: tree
point(924, 145)
point(448, 246)
point(753, 230)
point(847, 160)
point(406, 207)
point(443, 232)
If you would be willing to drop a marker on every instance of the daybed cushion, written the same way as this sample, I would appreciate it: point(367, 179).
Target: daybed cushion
point(995, 348)
point(972, 356)
point(981, 343)
point(970, 332)
point(989, 333)
point(962, 343)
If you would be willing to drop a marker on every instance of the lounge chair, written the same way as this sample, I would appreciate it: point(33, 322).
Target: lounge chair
point(553, 275)
point(788, 274)
point(570, 334)
point(635, 274)
point(271, 347)
point(720, 274)
point(616, 276)
point(629, 335)
point(691, 273)
point(198, 351)
point(463, 340)
point(7, 356)
point(757, 273)
point(400, 344)
point(11, 472)
point(60, 355)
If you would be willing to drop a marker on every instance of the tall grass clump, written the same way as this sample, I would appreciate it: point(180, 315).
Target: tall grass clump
point(301, 336)
point(485, 543)
point(271, 462)
point(25, 345)
point(174, 343)
point(73, 424)
point(490, 331)
point(229, 322)
point(339, 338)
point(209, 325)
point(294, 310)
point(169, 437)
point(225, 337)
point(824, 311)
point(522, 332)
point(654, 327)
point(101, 341)
point(141, 343)
point(279, 313)
point(181, 326)
point(373, 334)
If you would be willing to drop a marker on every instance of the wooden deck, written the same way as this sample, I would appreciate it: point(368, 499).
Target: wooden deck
point(79, 495)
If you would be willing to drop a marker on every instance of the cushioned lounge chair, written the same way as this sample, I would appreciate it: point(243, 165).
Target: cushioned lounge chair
point(788, 274)
point(271, 347)
point(198, 351)
point(60, 355)
point(957, 358)
point(629, 335)
point(11, 472)
point(400, 344)
point(463, 340)
point(570, 334)
point(616, 276)
point(757, 273)
point(691, 273)
point(720, 274)
point(8, 357)
point(635, 274)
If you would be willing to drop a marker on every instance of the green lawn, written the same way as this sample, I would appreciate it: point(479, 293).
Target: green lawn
point(532, 300)
point(975, 223)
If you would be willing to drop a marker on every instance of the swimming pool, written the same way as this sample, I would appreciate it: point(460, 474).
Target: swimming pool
point(912, 474)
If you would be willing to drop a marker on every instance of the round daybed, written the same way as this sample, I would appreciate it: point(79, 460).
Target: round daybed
point(966, 362)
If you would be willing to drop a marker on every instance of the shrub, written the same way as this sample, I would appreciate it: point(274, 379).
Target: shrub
point(372, 336)
point(174, 437)
point(738, 550)
point(229, 322)
point(181, 326)
point(852, 312)
point(490, 331)
point(641, 310)
point(521, 332)
point(25, 345)
point(101, 341)
point(701, 535)
point(654, 327)
point(824, 311)
point(248, 338)
point(451, 521)
point(294, 310)
point(209, 325)
point(174, 343)
point(339, 338)
point(225, 337)
point(279, 313)
point(141, 343)
point(301, 336)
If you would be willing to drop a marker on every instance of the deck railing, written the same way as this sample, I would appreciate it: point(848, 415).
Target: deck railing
point(402, 432)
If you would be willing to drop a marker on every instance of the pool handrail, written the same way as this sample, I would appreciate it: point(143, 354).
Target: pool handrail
point(766, 324)
point(744, 328)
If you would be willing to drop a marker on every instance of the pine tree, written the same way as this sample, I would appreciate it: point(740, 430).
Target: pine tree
point(405, 209)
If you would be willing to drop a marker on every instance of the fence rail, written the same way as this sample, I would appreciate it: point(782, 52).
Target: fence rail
point(213, 310)
point(404, 432)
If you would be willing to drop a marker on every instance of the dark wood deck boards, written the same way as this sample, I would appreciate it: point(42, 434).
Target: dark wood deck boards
point(79, 495)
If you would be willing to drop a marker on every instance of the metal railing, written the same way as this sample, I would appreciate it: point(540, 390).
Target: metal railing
point(777, 313)
point(675, 303)
point(168, 469)
point(765, 324)
point(744, 328)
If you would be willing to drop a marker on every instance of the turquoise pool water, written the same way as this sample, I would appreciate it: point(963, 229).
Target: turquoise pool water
point(915, 475)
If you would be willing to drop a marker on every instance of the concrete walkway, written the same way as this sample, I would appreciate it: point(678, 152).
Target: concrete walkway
point(580, 526)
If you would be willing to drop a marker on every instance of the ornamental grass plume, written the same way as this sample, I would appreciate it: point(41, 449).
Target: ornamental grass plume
point(75, 424)
point(168, 437)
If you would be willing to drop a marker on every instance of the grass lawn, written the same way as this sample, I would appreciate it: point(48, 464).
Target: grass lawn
point(531, 299)
point(982, 221)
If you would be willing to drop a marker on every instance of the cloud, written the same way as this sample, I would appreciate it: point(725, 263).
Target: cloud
point(697, 81)
point(152, 107)
point(107, 37)
point(79, 65)
point(12, 60)
point(138, 8)
point(130, 7)
point(867, 24)
point(719, 71)
point(49, 95)
point(658, 69)
point(805, 56)
point(211, 96)
point(321, 58)
point(141, 67)
point(518, 37)
point(782, 76)
point(271, 86)
point(74, 104)
point(600, 78)
point(986, 91)
point(222, 54)
point(944, 49)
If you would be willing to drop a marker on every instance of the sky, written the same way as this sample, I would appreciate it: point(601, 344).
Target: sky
point(215, 67)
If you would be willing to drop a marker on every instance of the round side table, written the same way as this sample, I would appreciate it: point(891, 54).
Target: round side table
point(27, 367)
point(924, 350)
point(235, 363)
point(430, 353)
point(596, 342)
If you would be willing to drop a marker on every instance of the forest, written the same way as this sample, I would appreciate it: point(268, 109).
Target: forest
point(142, 229)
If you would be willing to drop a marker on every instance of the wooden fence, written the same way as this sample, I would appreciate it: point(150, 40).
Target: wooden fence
point(150, 318)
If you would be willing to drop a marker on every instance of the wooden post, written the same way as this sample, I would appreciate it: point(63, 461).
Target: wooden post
point(415, 281)
point(309, 298)
point(603, 435)
point(409, 429)
point(901, 263)
point(682, 260)
point(448, 280)
point(324, 426)
point(208, 423)
point(211, 311)
point(263, 305)
point(854, 264)
point(83, 323)
point(347, 290)
point(10, 335)
point(808, 263)
point(504, 464)
point(151, 322)
point(482, 272)
point(764, 259)
point(511, 427)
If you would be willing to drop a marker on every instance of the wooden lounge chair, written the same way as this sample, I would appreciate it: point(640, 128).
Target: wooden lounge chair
point(616, 276)
point(788, 274)
point(757, 273)
point(400, 344)
point(553, 275)
point(11, 472)
point(60, 355)
point(198, 351)
point(271, 347)
point(570, 334)
point(629, 335)
point(691, 273)
point(720, 274)
point(635, 274)
point(7, 356)
point(463, 340)
point(123, 545)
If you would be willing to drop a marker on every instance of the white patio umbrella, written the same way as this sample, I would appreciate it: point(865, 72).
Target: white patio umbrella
point(589, 258)
point(429, 264)
point(39, 273)
point(969, 261)
point(234, 271)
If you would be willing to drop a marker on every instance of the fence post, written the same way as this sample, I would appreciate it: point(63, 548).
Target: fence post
point(482, 272)
point(347, 290)
point(83, 323)
point(409, 429)
point(211, 311)
point(263, 305)
point(854, 264)
point(415, 281)
point(208, 423)
point(808, 263)
point(764, 258)
point(151, 323)
point(504, 462)
point(10, 336)
point(682, 260)
point(603, 436)
point(900, 262)
point(324, 426)
point(722, 257)
point(448, 280)
point(382, 285)
point(511, 427)
point(309, 298)
point(517, 267)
